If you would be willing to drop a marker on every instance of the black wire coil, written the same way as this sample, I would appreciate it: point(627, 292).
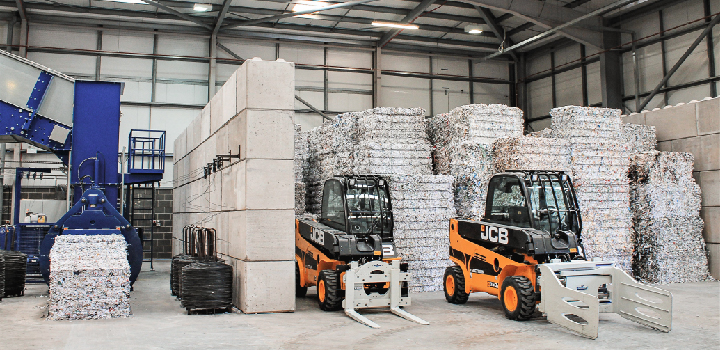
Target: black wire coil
point(15, 269)
point(206, 285)
point(177, 264)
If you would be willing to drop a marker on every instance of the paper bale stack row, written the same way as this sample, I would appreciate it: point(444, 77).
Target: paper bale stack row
point(599, 162)
point(666, 212)
point(694, 127)
point(391, 142)
point(462, 141)
point(376, 141)
point(531, 153)
point(250, 200)
point(299, 164)
point(89, 278)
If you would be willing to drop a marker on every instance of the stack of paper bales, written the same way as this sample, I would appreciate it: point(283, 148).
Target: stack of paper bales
point(462, 140)
point(531, 153)
point(639, 138)
point(300, 163)
point(668, 229)
point(599, 162)
point(422, 207)
point(89, 277)
point(391, 142)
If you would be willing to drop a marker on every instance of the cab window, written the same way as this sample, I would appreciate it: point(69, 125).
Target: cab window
point(506, 202)
point(333, 210)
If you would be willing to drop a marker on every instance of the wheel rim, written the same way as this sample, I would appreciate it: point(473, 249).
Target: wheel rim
point(321, 291)
point(510, 298)
point(450, 285)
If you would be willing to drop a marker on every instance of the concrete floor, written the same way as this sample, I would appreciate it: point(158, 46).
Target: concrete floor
point(159, 322)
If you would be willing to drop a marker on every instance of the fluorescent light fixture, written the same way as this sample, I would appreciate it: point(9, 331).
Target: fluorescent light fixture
point(473, 29)
point(395, 25)
point(202, 7)
point(129, 1)
point(305, 5)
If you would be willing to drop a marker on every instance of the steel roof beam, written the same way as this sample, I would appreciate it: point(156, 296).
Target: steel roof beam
point(499, 31)
point(178, 13)
point(292, 14)
point(551, 16)
point(410, 17)
point(21, 9)
point(221, 16)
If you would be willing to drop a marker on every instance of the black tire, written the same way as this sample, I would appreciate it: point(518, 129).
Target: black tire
point(456, 293)
point(524, 298)
point(331, 297)
point(300, 291)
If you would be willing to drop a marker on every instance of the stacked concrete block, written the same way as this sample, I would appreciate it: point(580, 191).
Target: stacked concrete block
point(666, 213)
point(250, 200)
point(694, 128)
point(599, 163)
point(391, 142)
point(89, 278)
point(462, 148)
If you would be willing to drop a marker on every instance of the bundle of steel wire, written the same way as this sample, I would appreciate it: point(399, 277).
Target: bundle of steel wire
point(15, 268)
point(178, 262)
point(206, 285)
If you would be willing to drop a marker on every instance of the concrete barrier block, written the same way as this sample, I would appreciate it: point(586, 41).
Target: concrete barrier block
point(229, 181)
point(265, 184)
point(638, 118)
point(665, 146)
point(708, 116)
point(266, 85)
point(216, 111)
point(229, 102)
point(711, 230)
point(710, 186)
point(673, 123)
point(221, 141)
point(215, 191)
point(223, 235)
point(714, 250)
point(262, 235)
point(193, 134)
point(267, 286)
point(234, 139)
point(241, 89)
point(709, 152)
point(267, 134)
point(205, 123)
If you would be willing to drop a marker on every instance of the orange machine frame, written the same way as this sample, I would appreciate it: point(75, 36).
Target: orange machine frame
point(482, 282)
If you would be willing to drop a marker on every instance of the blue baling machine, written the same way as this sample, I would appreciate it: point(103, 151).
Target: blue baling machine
point(79, 122)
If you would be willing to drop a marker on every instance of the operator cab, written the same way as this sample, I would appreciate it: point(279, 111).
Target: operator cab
point(542, 201)
point(358, 205)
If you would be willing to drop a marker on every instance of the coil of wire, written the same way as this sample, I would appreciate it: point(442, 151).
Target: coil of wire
point(15, 269)
point(178, 262)
point(206, 285)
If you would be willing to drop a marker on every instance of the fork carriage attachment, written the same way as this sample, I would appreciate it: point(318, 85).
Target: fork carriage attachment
point(574, 293)
point(376, 272)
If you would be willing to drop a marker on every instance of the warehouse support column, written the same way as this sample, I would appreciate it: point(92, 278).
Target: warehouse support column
point(377, 75)
point(611, 71)
point(212, 74)
point(521, 86)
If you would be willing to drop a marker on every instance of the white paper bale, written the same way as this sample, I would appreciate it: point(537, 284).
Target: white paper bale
point(89, 277)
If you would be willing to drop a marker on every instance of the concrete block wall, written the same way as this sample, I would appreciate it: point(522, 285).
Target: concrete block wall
point(695, 128)
point(249, 201)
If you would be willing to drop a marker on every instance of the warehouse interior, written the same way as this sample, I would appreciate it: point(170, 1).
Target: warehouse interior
point(236, 122)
